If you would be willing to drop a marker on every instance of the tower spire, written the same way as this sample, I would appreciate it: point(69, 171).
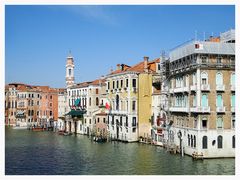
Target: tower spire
point(69, 70)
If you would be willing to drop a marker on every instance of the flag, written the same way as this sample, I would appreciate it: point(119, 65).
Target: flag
point(108, 106)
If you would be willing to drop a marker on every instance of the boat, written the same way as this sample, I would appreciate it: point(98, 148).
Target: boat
point(67, 133)
point(38, 128)
point(19, 127)
point(61, 132)
point(99, 139)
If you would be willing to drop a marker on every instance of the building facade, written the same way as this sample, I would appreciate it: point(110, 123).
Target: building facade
point(129, 91)
point(202, 97)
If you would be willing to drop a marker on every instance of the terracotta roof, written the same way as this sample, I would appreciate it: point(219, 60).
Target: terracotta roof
point(138, 67)
point(61, 89)
point(80, 85)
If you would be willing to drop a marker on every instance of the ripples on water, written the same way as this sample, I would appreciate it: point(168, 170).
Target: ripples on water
point(39, 153)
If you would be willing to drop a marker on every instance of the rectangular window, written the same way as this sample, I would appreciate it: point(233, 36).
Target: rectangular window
point(133, 82)
point(204, 81)
point(113, 84)
point(204, 100)
point(219, 100)
point(219, 60)
point(117, 84)
point(204, 59)
point(134, 121)
point(97, 91)
point(50, 113)
point(134, 130)
point(126, 82)
point(204, 123)
point(133, 105)
point(219, 122)
point(233, 121)
point(233, 100)
point(194, 101)
point(121, 83)
point(108, 85)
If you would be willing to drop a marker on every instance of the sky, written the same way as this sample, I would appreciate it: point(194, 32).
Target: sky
point(38, 38)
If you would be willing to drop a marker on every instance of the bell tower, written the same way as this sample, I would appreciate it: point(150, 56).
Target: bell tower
point(69, 70)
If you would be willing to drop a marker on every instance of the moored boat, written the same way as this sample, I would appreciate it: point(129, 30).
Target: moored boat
point(19, 127)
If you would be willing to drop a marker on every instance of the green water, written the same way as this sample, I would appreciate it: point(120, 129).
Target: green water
point(36, 153)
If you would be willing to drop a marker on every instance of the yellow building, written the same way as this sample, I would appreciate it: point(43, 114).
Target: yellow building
point(129, 90)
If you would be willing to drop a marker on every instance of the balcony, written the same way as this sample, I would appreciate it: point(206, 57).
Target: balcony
point(220, 109)
point(193, 87)
point(171, 91)
point(178, 109)
point(119, 112)
point(181, 89)
point(220, 87)
point(205, 87)
point(200, 109)
point(134, 89)
point(232, 87)
point(232, 108)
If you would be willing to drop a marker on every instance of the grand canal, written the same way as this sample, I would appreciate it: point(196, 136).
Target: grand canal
point(47, 153)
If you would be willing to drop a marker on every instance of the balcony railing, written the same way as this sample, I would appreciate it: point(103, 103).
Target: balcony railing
point(181, 89)
point(205, 87)
point(200, 109)
point(232, 87)
point(193, 87)
point(171, 91)
point(118, 112)
point(220, 109)
point(134, 89)
point(178, 109)
point(220, 87)
point(233, 108)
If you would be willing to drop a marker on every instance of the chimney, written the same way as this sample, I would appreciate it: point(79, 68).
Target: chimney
point(145, 63)
point(118, 66)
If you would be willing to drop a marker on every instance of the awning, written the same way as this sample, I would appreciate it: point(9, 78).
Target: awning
point(20, 116)
point(76, 112)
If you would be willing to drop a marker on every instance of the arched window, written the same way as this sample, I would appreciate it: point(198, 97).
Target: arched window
point(69, 72)
point(219, 78)
point(204, 142)
point(117, 102)
point(219, 100)
point(97, 101)
point(220, 142)
point(191, 141)
point(233, 141)
point(233, 79)
point(204, 78)
point(219, 122)
point(204, 100)
point(194, 141)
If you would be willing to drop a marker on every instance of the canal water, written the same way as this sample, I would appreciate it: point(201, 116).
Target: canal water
point(47, 153)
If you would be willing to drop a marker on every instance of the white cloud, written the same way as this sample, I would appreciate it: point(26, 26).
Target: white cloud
point(94, 13)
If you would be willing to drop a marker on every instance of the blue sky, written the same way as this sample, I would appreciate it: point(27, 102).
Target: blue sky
point(38, 38)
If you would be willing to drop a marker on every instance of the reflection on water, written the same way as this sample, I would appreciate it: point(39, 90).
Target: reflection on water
point(35, 153)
